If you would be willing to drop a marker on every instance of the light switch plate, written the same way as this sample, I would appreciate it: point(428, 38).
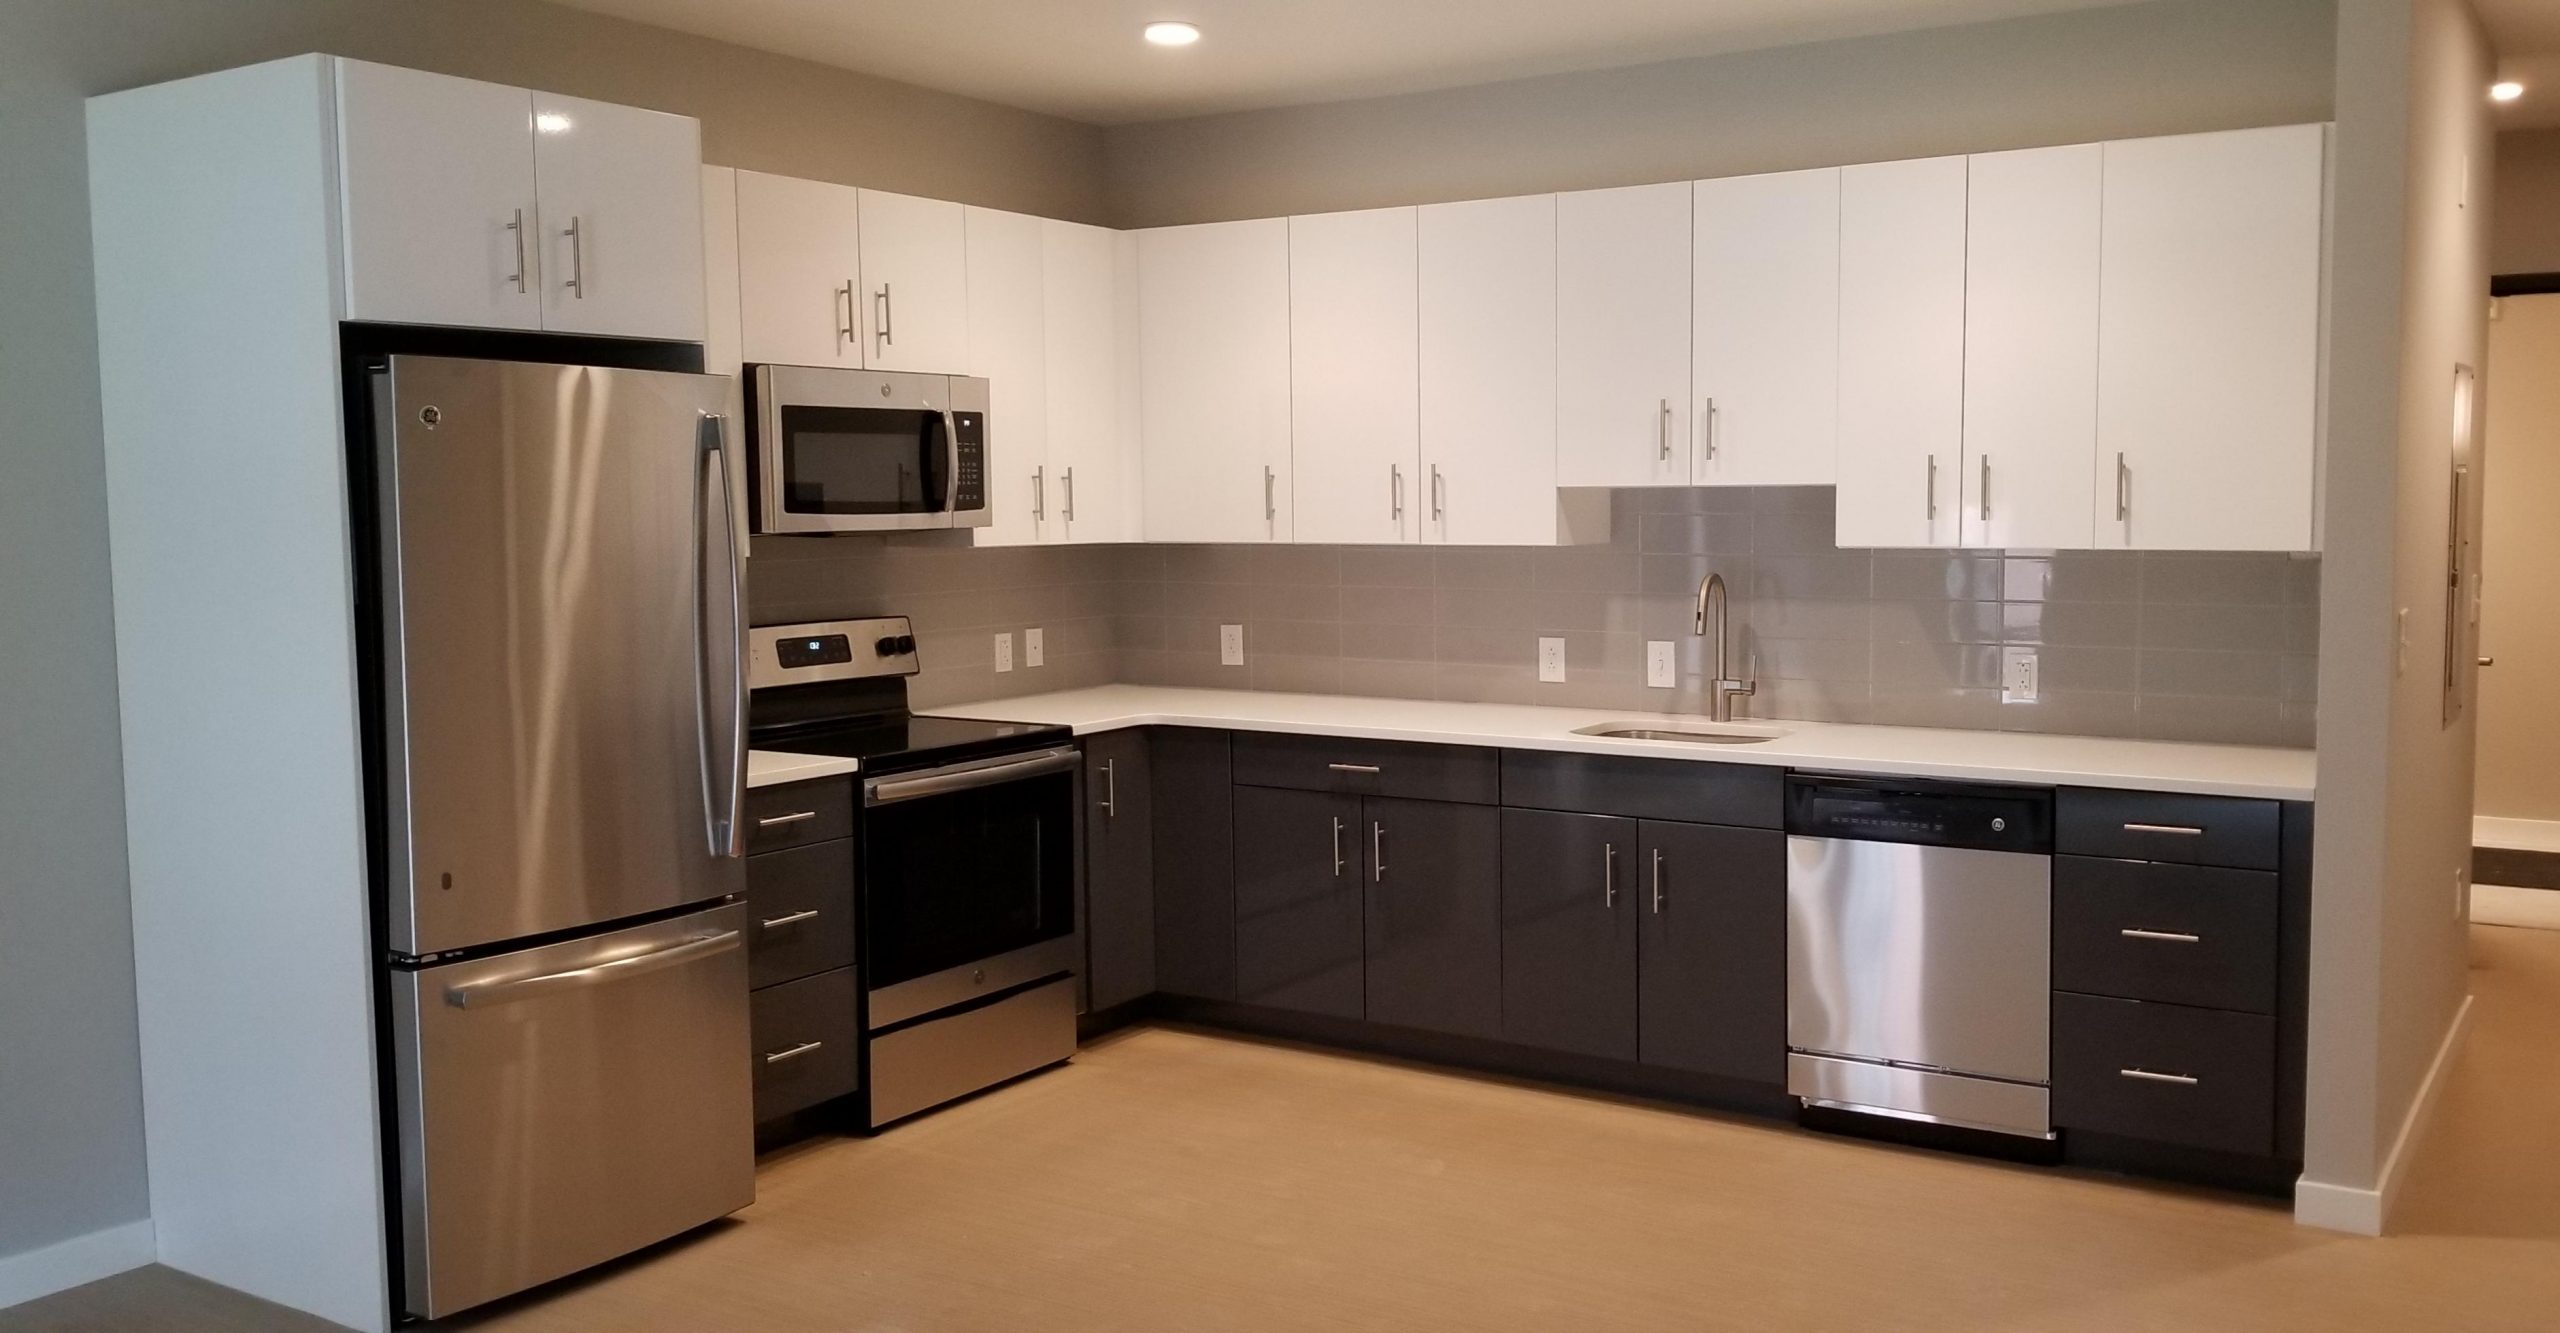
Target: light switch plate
point(1231, 645)
point(1004, 651)
point(1034, 651)
point(2018, 675)
point(1551, 660)
point(1659, 672)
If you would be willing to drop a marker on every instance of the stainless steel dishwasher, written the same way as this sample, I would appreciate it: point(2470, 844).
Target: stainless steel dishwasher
point(1919, 950)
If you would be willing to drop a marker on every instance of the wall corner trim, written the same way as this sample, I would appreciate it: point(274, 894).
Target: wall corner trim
point(75, 1262)
point(2367, 1212)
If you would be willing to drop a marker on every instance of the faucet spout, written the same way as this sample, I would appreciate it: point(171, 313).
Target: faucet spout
point(1714, 618)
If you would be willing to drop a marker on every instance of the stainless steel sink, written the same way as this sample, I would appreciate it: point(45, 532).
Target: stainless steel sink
point(1696, 733)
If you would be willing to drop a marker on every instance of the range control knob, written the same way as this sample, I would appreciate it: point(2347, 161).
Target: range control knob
point(887, 646)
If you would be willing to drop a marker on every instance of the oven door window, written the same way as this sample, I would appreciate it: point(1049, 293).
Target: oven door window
point(967, 876)
point(864, 460)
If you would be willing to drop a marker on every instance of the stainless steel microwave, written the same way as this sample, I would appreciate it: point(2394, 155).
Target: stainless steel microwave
point(867, 451)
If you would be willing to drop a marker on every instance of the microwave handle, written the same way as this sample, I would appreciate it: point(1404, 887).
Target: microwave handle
point(950, 465)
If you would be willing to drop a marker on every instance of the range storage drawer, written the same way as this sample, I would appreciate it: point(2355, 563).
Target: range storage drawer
point(800, 902)
point(797, 813)
point(2164, 1072)
point(2140, 930)
point(1370, 768)
point(1687, 790)
point(805, 1034)
point(2149, 826)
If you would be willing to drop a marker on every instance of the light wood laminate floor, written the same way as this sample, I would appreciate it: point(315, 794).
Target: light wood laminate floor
point(1171, 1179)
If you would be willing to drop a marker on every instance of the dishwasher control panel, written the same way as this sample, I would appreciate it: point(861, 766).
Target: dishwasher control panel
point(1990, 817)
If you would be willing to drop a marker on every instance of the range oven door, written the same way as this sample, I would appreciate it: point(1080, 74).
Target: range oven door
point(968, 881)
point(860, 451)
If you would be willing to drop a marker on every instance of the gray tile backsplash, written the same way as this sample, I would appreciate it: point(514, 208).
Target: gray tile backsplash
point(2170, 646)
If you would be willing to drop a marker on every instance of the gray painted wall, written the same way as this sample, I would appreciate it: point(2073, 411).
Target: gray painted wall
point(2160, 68)
point(70, 1111)
point(2527, 237)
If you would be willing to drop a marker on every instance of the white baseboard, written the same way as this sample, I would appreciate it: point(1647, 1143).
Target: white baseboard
point(2515, 835)
point(2367, 1212)
point(75, 1262)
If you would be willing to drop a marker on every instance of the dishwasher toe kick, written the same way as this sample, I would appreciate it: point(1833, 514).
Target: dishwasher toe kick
point(1926, 1095)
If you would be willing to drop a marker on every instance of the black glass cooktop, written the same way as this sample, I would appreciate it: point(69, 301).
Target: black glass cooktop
point(909, 740)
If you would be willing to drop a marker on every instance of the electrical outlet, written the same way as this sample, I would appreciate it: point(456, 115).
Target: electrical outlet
point(1004, 651)
point(1034, 651)
point(2017, 675)
point(1231, 645)
point(2462, 893)
point(1551, 660)
point(1659, 671)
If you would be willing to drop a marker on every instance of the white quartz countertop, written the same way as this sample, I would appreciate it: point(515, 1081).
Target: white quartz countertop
point(772, 768)
point(2163, 766)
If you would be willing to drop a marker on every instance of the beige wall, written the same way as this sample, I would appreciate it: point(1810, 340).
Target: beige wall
point(2408, 273)
point(70, 1113)
point(2519, 622)
point(2144, 69)
point(2528, 206)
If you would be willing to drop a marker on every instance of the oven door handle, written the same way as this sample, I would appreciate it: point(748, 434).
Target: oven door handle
point(964, 777)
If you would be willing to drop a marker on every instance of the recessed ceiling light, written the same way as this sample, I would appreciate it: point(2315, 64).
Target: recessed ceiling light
point(2506, 90)
point(1172, 34)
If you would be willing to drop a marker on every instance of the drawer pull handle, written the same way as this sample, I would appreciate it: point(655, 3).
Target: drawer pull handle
point(2181, 830)
point(793, 818)
point(2164, 936)
point(790, 919)
point(792, 1052)
point(1353, 768)
point(2154, 1076)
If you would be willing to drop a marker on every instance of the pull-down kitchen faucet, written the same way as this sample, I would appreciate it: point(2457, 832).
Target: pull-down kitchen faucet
point(1712, 600)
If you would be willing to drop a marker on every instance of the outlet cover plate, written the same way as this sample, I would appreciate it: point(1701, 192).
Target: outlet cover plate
point(1660, 672)
point(1004, 651)
point(1231, 645)
point(1035, 651)
point(2018, 684)
point(1551, 660)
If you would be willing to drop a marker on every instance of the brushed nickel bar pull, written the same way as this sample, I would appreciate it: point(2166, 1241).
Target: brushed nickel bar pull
point(1986, 488)
point(2154, 1076)
point(1070, 478)
point(776, 821)
point(577, 258)
point(844, 327)
point(2124, 490)
point(1270, 498)
point(1039, 495)
point(1711, 430)
point(2181, 830)
point(789, 919)
point(1439, 496)
point(1353, 768)
point(1933, 488)
point(793, 1052)
point(1377, 852)
point(1110, 791)
point(1657, 881)
point(887, 310)
point(517, 227)
point(1395, 492)
point(1337, 847)
point(1665, 431)
point(1609, 875)
point(2164, 936)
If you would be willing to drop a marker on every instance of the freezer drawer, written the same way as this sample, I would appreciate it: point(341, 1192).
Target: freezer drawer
point(1938, 957)
point(564, 1105)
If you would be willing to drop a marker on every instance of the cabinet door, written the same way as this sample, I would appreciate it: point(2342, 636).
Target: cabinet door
point(1488, 314)
point(1569, 914)
point(1766, 307)
point(1713, 965)
point(621, 192)
point(1902, 243)
point(1120, 870)
point(1193, 795)
point(1435, 915)
point(1298, 900)
point(1213, 371)
point(2209, 340)
point(1622, 336)
point(1353, 456)
point(915, 283)
point(1090, 277)
point(799, 269)
point(1008, 345)
point(722, 353)
point(436, 179)
point(2030, 347)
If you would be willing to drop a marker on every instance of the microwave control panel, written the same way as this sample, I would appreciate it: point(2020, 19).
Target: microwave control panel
point(969, 433)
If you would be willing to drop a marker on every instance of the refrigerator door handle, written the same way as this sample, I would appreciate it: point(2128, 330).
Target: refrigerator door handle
point(724, 788)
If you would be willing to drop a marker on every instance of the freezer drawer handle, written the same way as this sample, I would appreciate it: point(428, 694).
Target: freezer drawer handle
point(793, 818)
point(2163, 936)
point(480, 994)
point(2151, 1076)
point(967, 776)
point(793, 1052)
point(2182, 830)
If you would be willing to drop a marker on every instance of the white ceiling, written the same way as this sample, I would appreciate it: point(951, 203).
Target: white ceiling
point(2527, 33)
point(1083, 59)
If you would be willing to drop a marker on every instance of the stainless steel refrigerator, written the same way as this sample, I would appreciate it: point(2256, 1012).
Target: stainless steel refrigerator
point(560, 763)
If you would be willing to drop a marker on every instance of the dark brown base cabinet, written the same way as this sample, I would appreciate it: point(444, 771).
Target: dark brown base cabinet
point(805, 1012)
point(1120, 870)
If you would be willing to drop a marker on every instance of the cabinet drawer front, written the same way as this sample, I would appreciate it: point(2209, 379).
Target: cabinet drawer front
point(1689, 791)
point(800, 902)
point(2148, 826)
point(2139, 930)
point(805, 1033)
point(2164, 1072)
point(1371, 768)
point(799, 813)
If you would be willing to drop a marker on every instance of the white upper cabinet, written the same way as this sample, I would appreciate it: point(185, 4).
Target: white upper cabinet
point(1354, 461)
point(1765, 390)
point(1488, 353)
point(437, 190)
point(799, 271)
point(1090, 278)
point(1622, 336)
point(1902, 348)
point(915, 283)
point(1213, 353)
point(2208, 341)
point(1008, 345)
point(621, 219)
point(2031, 359)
